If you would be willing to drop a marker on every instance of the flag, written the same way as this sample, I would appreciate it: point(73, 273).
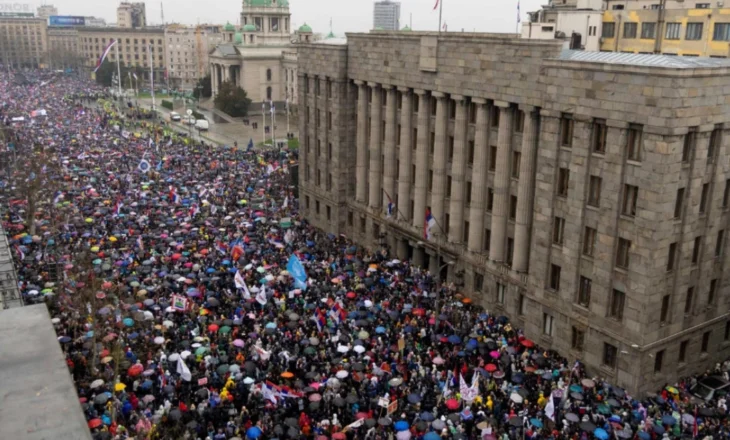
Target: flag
point(21, 255)
point(194, 210)
point(428, 224)
point(183, 370)
point(338, 313)
point(140, 243)
point(174, 198)
point(117, 207)
point(263, 354)
point(273, 108)
point(144, 166)
point(286, 202)
point(261, 296)
point(268, 393)
point(444, 27)
point(58, 198)
point(241, 284)
point(135, 76)
point(296, 270)
point(159, 165)
point(463, 388)
point(447, 391)
point(550, 409)
point(518, 11)
point(104, 54)
point(236, 250)
point(436, 5)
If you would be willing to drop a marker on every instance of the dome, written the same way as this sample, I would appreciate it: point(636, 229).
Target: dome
point(258, 2)
point(249, 28)
point(378, 28)
point(305, 28)
point(238, 38)
point(406, 29)
point(330, 35)
point(229, 27)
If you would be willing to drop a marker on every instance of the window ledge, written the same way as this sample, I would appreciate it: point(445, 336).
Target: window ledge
point(623, 270)
point(635, 162)
point(628, 217)
point(592, 208)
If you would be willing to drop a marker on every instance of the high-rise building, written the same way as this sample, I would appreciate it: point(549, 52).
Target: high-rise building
point(45, 11)
point(386, 15)
point(23, 41)
point(583, 194)
point(131, 15)
point(187, 52)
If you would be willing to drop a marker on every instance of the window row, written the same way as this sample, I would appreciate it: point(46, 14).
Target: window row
point(693, 31)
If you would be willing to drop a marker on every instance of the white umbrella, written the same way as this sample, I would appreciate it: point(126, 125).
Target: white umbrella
point(168, 323)
point(55, 320)
point(342, 374)
point(185, 354)
point(403, 435)
point(438, 360)
point(343, 348)
point(148, 316)
point(96, 384)
point(248, 381)
point(359, 349)
point(173, 357)
point(516, 398)
point(159, 340)
point(368, 303)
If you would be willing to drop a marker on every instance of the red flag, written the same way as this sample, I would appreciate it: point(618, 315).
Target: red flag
point(436, 5)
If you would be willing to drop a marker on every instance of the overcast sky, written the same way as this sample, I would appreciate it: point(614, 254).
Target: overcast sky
point(346, 15)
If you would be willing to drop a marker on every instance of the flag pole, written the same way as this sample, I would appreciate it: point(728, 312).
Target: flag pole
point(119, 73)
point(441, 7)
point(152, 76)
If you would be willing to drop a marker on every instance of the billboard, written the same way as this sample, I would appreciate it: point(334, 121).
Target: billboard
point(66, 20)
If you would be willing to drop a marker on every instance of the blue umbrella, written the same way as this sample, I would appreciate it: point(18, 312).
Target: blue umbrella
point(380, 330)
point(401, 425)
point(253, 432)
point(518, 378)
point(659, 429)
point(129, 322)
point(643, 435)
point(431, 436)
point(600, 434)
point(454, 339)
point(668, 420)
point(537, 423)
point(427, 417)
point(64, 339)
point(133, 335)
point(576, 388)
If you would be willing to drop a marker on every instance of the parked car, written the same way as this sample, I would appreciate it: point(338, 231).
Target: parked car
point(202, 125)
point(710, 388)
point(188, 120)
point(174, 116)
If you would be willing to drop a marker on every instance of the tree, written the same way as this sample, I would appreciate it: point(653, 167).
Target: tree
point(105, 73)
point(203, 88)
point(232, 99)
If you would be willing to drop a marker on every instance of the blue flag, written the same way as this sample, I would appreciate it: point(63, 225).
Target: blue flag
point(296, 270)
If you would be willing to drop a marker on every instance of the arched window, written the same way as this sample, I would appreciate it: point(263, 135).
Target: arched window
point(268, 74)
point(268, 93)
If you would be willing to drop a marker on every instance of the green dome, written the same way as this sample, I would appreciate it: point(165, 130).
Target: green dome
point(406, 29)
point(238, 38)
point(249, 28)
point(330, 35)
point(229, 27)
point(258, 2)
point(378, 28)
point(305, 28)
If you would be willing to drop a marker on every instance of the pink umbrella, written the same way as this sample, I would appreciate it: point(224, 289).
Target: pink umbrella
point(238, 343)
point(494, 354)
point(438, 360)
point(315, 397)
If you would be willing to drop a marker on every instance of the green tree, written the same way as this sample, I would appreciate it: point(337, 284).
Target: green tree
point(106, 72)
point(204, 88)
point(232, 100)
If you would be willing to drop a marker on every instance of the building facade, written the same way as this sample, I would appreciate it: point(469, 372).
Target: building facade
point(258, 56)
point(386, 15)
point(63, 44)
point(9, 293)
point(581, 195)
point(131, 15)
point(133, 49)
point(46, 11)
point(187, 49)
point(23, 42)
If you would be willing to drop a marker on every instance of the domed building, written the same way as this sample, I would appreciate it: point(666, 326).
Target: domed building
point(260, 56)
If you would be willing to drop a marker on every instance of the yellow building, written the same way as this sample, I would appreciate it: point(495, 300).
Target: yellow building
point(23, 41)
point(666, 27)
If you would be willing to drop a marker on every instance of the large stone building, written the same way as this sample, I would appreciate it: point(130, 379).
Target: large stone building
point(258, 56)
point(187, 51)
point(63, 44)
point(672, 27)
point(23, 41)
point(582, 194)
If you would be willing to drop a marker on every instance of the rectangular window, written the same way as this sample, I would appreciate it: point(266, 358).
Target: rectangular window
point(494, 119)
point(487, 239)
point(516, 156)
point(316, 206)
point(682, 351)
point(558, 229)
point(702, 6)
point(432, 143)
point(501, 288)
point(430, 180)
point(696, 250)
point(577, 339)
point(705, 342)
point(594, 192)
point(468, 193)
point(470, 153)
point(413, 176)
point(616, 305)
point(478, 282)
point(689, 300)
point(609, 355)
point(727, 330)
point(563, 180)
point(630, 30)
point(490, 199)
point(719, 243)
point(703, 197)
point(721, 32)
point(589, 241)
point(664, 315)
point(631, 193)
point(512, 207)
point(678, 203)
point(329, 213)
point(726, 194)
point(584, 291)
point(599, 136)
point(712, 293)
point(448, 187)
point(566, 131)
point(609, 29)
point(519, 121)
point(522, 306)
point(648, 31)
point(658, 360)
point(547, 324)
point(472, 112)
point(671, 258)
point(687, 146)
point(633, 142)
point(350, 220)
point(414, 139)
point(622, 253)
point(694, 31)
point(715, 139)
point(450, 149)
point(554, 277)
point(492, 158)
point(447, 223)
point(465, 233)
point(673, 31)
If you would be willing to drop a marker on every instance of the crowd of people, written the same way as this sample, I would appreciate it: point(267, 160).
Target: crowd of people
point(192, 301)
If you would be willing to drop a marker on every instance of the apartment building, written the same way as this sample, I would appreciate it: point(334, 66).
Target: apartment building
point(133, 48)
point(23, 41)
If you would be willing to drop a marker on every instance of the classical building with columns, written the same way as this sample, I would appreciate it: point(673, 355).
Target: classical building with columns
point(258, 55)
point(585, 195)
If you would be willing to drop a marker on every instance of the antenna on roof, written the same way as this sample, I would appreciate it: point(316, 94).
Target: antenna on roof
point(330, 25)
point(162, 14)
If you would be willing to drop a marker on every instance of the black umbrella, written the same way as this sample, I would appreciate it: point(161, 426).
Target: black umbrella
point(175, 414)
point(192, 424)
point(291, 421)
point(572, 417)
point(384, 421)
point(587, 426)
point(515, 421)
point(414, 398)
point(351, 399)
point(370, 423)
point(338, 401)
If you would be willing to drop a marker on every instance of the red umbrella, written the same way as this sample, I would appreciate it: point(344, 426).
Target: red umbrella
point(361, 415)
point(419, 312)
point(351, 295)
point(135, 370)
point(339, 436)
point(528, 343)
point(452, 404)
point(94, 423)
point(176, 256)
point(490, 368)
point(213, 328)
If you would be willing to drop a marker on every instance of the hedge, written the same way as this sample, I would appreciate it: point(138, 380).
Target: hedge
point(167, 104)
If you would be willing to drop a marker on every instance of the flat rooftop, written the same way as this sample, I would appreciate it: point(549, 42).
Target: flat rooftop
point(38, 400)
point(643, 60)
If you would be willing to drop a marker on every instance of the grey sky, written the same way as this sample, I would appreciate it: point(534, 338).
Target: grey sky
point(347, 15)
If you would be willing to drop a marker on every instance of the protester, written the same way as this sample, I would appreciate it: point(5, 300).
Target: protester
point(192, 301)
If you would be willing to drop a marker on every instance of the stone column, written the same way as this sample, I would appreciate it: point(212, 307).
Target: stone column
point(525, 190)
point(501, 183)
point(390, 161)
point(361, 175)
point(376, 146)
point(439, 162)
point(406, 151)
point(421, 185)
point(214, 79)
point(479, 177)
point(458, 169)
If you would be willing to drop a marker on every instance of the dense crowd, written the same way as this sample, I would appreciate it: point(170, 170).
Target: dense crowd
point(191, 300)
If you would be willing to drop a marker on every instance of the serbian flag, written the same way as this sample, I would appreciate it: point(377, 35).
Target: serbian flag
point(338, 313)
point(428, 224)
point(117, 207)
point(174, 198)
point(436, 5)
point(104, 54)
point(194, 210)
point(236, 250)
